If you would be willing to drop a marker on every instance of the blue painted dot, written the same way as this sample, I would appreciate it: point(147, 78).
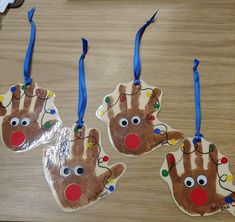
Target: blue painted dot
point(157, 131)
point(196, 139)
point(13, 89)
point(228, 200)
point(52, 111)
point(111, 188)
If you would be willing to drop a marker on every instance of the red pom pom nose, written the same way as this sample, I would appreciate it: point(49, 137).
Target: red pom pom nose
point(132, 141)
point(72, 192)
point(17, 139)
point(198, 197)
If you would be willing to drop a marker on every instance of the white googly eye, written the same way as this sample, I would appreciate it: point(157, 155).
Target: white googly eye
point(135, 120)
point(14, 121)
point(65, 171)
point(123, 122)
point(202, 180)
point(25, 121)
point(79, 170)
point(189, 182)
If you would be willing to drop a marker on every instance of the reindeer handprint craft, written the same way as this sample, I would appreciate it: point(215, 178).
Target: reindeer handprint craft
point(77, 170)
point(131, 115)
point(199, 178)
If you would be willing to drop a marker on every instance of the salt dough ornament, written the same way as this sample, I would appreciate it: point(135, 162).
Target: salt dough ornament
point(76, 168)
point(130, 113)
point(28, 116)
point(198, 174)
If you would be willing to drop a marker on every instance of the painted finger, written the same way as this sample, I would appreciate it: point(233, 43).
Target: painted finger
point(135, 94)
point(122, 98)
point(16, 98)
point(153, 102)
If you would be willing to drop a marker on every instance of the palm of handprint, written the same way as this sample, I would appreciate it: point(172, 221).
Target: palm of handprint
point(135, 129)
point(199, 190)
point(25, 119)
point(76, 170)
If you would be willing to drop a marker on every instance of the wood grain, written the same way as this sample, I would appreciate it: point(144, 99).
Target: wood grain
point(185, 29)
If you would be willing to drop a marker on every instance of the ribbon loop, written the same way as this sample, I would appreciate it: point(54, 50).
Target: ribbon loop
point(198, 134)
point(82, 96)
point(137, 62)
point(28, 56)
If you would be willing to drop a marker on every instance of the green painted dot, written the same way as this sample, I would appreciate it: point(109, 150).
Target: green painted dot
point(47, 125)
point(75, 130)
point(165, 173)
point(156, 105)
point(211, 147)
point(24, 87)
point(107, 100)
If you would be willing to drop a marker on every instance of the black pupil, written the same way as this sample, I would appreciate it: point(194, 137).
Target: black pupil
point(189, 183)
point(66, 171)
point(14, 123)
point(201, 181)
point(135, 121)
point(80, 170)
point(124, 122)
point(24, 123)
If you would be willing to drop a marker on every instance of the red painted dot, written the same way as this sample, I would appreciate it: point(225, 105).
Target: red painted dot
point(17, 139)
point(122, 99)
point(72, 192)
point(132, 141)
point(198, 197)
point(170, 157)
point(152, 117)
point(105, 158)
point(224, 160)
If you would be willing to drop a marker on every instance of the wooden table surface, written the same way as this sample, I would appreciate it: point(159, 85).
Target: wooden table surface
point(185, 29)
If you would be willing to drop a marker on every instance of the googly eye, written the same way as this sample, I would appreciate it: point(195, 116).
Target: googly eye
point(14, 121)
point(202, 180)
point(123, 122)
point(25, 122)
point(65, 171)
point(189, 182)
point(79, 170)
point(135, 120)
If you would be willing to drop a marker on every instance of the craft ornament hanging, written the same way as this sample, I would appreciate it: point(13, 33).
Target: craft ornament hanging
point(28, 116)
point(130, 113)
point(76, 168)
point(198, 174)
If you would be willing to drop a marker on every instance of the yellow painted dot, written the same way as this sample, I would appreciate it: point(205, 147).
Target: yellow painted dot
point(110, 180)
point(229, 178)
point(148, 94)
point(51, 94)
point(1, 98)
point(172, 142)
point(89, 144)
point(101, 113)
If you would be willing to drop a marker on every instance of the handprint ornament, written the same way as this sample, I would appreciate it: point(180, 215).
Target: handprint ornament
point(130, 113)
point(28, 116)
point(198, 174)
point(76, 168)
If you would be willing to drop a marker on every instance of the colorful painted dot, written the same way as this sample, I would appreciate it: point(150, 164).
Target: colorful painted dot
point(107, 100)
point(105, 158)
point(111, 188)
point(1, 98)
point(172, 142)
point(75, 130)
point(148, 94)
point(152, 117)
point(211, 147)
point(52, 112)
point(122, 98)
point(110, 180)
point(13, 89)
point(47, 125)
point(101, 113)
point(229, 178)
point(224, 160)
point(156, 105)
point(89, 144)
point(165, 173)
point(24, 87)
point(157, 131)
point(170, 157)
point(51, 94)
point(228, 200)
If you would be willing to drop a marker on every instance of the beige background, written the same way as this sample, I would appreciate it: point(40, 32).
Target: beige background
point(184, 30)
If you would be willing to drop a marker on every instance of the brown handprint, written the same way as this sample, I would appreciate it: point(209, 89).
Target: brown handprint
point(199, 190)
point(26, 121)
point(76, 169)
point(134, 127)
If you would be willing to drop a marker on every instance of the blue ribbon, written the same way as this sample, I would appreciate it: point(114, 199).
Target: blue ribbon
point(198, 134)
point(137, 63)
point(28, 56)
point(82, 96)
